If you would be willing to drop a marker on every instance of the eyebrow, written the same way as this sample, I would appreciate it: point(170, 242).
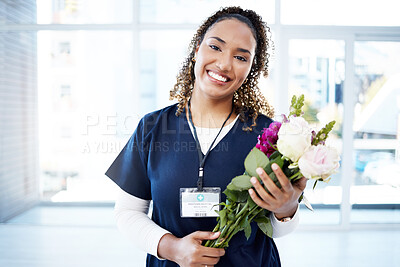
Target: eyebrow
point(222, 41)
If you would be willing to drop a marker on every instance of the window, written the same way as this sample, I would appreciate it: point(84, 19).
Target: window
point(102, 64)
point(340, 12)
point(376, 179)
point(316, 69)
point(85, 79)
point(84, 11)
point(195, 11)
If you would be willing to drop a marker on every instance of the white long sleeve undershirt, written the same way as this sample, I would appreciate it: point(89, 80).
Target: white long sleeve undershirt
point(133, 221)
point(131, 212)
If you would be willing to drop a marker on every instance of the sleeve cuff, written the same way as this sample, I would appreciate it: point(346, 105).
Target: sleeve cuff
point(283, 228)
point(157, 234)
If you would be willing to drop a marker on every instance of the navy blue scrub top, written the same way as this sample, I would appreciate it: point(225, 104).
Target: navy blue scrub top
point(161, 157)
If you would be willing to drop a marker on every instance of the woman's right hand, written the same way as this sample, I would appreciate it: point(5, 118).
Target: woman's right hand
point(188, 251)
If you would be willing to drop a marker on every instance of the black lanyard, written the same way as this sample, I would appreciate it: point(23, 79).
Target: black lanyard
point(202, 159)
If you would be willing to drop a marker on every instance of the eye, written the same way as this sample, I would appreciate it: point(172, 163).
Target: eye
point(241, 58)
point(214, 47)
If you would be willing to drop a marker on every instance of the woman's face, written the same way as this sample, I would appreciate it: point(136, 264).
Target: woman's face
point(224, 59)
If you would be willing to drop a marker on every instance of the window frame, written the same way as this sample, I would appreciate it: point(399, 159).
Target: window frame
point(282, 36)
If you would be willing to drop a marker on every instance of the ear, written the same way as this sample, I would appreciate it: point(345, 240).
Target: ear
point(197, 46)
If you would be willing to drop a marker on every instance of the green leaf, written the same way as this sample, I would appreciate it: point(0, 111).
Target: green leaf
point(279, 161)
point(230, 194)
point(252, 204)
point(255, 159)
point(241, 182)
point(265, 226)
point(247, 229)
point(236, 196)
point(242, 196)
point(268, 169)
point(223, 217)
point(315, 184)
point(261, 219)
point(275, 157)
point(275, 179)
point(232, 187)
point(241, 225)
point(231, 216)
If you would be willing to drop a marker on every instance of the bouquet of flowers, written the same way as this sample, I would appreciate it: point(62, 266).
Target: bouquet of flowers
point(297, 149)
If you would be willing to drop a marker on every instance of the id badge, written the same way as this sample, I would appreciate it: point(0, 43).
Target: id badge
point(200, 204)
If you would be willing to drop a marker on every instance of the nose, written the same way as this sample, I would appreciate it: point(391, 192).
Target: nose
point(224, 62)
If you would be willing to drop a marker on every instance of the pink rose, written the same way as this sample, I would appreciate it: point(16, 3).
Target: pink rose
point(319, 162)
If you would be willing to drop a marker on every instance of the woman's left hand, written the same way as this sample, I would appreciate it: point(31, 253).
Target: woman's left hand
point(281, 201)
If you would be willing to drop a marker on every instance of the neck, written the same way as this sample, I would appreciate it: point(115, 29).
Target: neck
point(210, 113)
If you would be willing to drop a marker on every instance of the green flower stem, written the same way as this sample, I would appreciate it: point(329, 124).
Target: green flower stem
point(238, 219)
point(242, 211)
point(256, 213)
point(216, 228)
point(227, 232)
point(223, 232)
point(256, 210)
point(295, 177)
point(212, 243)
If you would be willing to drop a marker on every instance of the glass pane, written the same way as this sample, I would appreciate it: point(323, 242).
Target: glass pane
point(316, 69)
point(18, 12)
point(341, 12)
point(376, 129)
point(161, 55)
point(84, 11)
point(86, 102)
point(195, 11)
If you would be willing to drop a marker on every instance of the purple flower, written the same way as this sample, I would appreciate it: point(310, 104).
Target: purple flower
point(267, 140)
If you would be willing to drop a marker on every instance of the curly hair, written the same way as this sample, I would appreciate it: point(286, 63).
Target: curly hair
point(248, 98)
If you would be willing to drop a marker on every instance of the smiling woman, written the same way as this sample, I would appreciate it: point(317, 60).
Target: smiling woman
point(247, 41)
point(219, 106)
point(222, 62)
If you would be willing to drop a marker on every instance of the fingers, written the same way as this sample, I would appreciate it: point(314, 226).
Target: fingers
point(274, 198)
point(207, 261)
point(188, 250)
point(260, 189)
point(257, 200)
point(203, 235)
point(263, 199)
point(213, 252)
point(209, 252)
point(283, 180)
point(269, 184)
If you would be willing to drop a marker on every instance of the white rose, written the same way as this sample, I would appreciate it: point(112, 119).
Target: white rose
point(294, 138)
point(319, 162)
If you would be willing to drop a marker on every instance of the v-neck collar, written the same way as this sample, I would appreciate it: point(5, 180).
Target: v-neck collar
point(226, 136)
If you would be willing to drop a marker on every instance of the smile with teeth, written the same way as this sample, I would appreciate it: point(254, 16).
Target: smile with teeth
point(217, 76)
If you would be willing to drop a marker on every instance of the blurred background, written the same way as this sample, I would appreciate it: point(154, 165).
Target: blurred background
point(77, 75)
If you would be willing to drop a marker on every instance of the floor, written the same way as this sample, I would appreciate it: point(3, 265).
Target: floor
point(52, 236)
